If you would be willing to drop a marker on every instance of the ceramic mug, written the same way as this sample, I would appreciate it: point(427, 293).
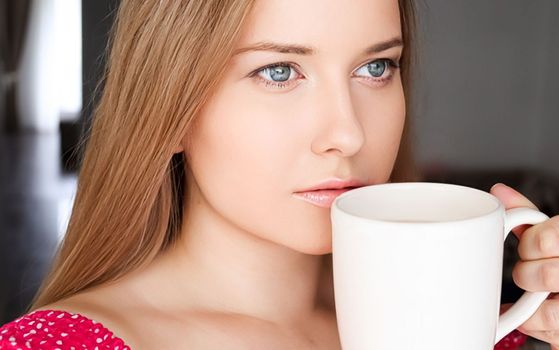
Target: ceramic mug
point(419, 266)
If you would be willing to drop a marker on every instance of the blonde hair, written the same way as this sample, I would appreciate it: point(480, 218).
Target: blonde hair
point(166, 59)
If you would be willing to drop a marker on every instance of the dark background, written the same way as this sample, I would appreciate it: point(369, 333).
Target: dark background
point(38, 169)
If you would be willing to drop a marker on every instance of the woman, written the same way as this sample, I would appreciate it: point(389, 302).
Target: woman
point(187, 230)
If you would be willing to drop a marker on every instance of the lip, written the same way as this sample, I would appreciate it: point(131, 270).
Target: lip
point(334, 184)
point(324, 194)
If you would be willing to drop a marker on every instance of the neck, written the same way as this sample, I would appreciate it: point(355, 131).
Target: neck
point(218, 266)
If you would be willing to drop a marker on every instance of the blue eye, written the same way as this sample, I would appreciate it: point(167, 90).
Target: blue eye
point(377, 68)
point(276, 73)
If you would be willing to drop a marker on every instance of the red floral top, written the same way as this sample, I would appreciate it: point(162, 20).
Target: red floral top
point(61, 330)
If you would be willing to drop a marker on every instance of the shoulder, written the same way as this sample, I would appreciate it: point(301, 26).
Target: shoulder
point(56, 329)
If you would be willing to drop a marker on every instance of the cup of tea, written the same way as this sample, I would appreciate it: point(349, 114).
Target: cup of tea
point(418, 265)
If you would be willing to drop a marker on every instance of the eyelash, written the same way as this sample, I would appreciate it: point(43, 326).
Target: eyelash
point(392, 66)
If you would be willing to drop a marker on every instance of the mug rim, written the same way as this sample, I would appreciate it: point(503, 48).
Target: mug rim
point(337, 209)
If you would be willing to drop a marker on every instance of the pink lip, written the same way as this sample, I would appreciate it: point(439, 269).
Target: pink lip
point(324, 194)
point(322, 198)
point(334, 184)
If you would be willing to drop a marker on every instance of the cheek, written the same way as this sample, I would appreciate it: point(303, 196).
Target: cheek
point(231, 148)
point(242, 155)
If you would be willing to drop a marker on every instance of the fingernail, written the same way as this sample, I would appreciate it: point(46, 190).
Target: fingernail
point(499, 184)
point(506, 187)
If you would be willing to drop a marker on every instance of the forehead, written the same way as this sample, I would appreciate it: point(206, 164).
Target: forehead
point(328, 25)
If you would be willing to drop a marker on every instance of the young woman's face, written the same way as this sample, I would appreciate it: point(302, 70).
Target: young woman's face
point(331, 108)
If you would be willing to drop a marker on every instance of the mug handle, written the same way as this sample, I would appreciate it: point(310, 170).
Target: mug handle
point(529, 302)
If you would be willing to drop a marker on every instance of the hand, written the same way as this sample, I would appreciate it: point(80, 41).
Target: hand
point(538, 268)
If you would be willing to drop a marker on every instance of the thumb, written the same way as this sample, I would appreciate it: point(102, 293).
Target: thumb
point(512, 199)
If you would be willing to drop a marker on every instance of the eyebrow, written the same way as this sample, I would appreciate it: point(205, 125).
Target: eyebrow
point(309, 50)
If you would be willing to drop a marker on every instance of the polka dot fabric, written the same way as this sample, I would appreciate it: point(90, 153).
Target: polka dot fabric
point(57, 330)
point(61, 330)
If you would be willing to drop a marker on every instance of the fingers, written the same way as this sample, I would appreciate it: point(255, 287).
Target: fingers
point(538, 269)
point(537, 275)
point(540, 241)
point(546, 318)
point(544, 324)
point(551, 336)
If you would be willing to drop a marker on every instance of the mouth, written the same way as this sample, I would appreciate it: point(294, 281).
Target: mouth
point(323, 197)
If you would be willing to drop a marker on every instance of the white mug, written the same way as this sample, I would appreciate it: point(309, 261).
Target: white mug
point(419, 266)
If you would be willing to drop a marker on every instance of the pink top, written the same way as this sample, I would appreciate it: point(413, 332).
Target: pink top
point(57, 330)
point(61, 330)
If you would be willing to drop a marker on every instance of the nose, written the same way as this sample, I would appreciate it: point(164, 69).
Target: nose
point(340, 130)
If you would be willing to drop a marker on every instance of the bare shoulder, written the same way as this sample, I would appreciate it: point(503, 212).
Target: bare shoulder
point(100, 307)
point(141, 326)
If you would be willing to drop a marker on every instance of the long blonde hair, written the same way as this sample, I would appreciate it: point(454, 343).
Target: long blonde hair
point(166, 59)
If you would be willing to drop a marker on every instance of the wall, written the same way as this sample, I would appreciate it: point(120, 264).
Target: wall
point(549, 127)
point(97, 19)
point(487, 90)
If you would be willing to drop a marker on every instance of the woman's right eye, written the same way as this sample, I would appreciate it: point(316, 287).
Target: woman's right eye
point(278, 75)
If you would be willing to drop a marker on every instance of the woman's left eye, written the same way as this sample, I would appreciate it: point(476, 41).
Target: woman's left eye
point(378, 70)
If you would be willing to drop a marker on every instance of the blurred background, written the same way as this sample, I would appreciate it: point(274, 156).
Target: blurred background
point(486, 111)
point(52, 53)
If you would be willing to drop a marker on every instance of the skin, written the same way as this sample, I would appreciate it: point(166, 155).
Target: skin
point(538, 268)
point(248, 271)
